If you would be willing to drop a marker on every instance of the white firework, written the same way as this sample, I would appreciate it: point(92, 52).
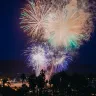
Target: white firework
point(41, 56)
point(32, 17)
point(66, 26)
point(37, 58)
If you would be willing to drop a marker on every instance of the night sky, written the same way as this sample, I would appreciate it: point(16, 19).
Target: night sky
point(13, 41)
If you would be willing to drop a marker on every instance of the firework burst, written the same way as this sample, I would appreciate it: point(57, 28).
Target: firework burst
point(32, 17)
point(42, 56)
point(37, 57)
point(67, 26)
point(64, 24)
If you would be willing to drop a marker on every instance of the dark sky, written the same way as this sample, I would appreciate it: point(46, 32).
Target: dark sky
point(13, 42)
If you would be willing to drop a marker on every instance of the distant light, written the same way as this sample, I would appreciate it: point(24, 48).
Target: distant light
point(5, 84)
point(92, 94)
point(30, 91)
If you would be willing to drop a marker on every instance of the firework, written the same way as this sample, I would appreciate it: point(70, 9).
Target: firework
point(63, 24)
point(67, 26)
point(32, 17)
point(43, 56)
point(59, 63)
point(37, 57)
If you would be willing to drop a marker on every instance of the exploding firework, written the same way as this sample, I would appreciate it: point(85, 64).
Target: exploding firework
point(43, 56)
point(32, 18)
point(67, 26)
point(64, 24)
point(37, 57)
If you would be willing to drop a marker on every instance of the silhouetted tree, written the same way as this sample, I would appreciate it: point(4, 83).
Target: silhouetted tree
point(23, 90)
point(32, 82)
point(41, 81)
point(23, 77)
point(4, 81)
